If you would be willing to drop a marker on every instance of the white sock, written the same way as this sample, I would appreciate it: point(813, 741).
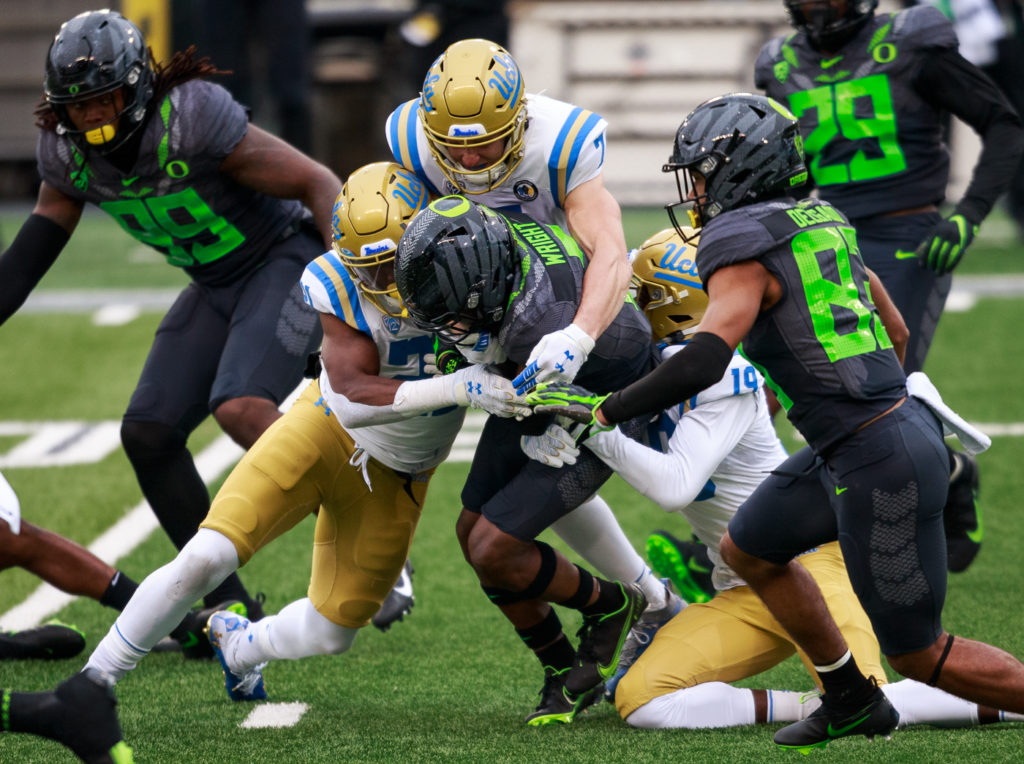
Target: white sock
point(703, 706)
point(162, 600)
point(790, 706)
point(298, 631)
point(920, 704)
point(595, 535)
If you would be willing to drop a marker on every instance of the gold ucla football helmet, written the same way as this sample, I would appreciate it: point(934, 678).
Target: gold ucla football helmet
point(473, 95)
point(667, 286)
point(374, 207)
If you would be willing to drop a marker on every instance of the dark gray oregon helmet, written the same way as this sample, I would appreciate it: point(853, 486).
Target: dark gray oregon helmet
point(747, 148)
point(94, 53)
point(456, 264)
point(829, 24)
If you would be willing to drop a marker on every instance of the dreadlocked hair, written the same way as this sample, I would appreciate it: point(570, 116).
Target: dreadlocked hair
point(182, 67)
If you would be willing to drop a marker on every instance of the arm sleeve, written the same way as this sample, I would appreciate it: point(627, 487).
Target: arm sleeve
point(697, 366)
point(949, 82)
point(701, 440)
point(29, 257)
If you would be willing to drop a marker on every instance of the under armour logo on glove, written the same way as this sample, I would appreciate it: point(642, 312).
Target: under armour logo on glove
point(482, 388)
point(558, 357)
point(471, 391)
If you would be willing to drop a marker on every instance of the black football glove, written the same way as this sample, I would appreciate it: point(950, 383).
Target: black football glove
point(944, 246)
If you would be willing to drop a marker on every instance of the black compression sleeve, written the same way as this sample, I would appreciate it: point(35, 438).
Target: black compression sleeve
point(949, 82)
point(30, 255)
point(697, 366)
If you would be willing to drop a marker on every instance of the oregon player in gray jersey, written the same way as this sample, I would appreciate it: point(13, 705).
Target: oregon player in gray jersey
point(787, 279)
point(871, 93)
point(174, 161)
point(494, 284)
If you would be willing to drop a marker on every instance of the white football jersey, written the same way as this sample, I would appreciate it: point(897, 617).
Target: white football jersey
point(564, 147)
point(411, 445)
point(707, 455)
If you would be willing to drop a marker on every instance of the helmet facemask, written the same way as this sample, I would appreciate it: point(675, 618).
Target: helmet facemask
point(829, 24)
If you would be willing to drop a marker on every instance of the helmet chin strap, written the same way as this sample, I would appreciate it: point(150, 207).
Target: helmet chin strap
point(100, 135)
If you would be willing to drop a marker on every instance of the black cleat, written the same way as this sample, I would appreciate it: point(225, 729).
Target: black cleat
point(51, 641)
point(82, 715)
point(877, 716)
point(961, 515)
point(556, 707)
point(399, 601)
point(601, 641)
point(190, 635)
point(685, 563)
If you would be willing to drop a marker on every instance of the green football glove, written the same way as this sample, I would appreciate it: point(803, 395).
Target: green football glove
point(946, 243)
point(446, 359)
point(571, 401)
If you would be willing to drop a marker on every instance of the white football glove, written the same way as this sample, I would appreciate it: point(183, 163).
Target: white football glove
point(556, 358)
point(483, 389)
point(554, 447)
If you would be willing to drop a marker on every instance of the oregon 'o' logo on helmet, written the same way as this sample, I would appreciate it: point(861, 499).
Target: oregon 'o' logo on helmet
point(525, 190)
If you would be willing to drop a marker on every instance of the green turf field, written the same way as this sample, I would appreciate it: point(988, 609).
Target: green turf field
point(452, 682)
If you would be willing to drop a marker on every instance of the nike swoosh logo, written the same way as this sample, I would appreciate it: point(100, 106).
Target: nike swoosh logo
point(696, 567)
point(404, 585)
point(832, 732)
point(128, 181)
point(842, 490)
point(976, 534)
point(828, 63)
point(901, 255)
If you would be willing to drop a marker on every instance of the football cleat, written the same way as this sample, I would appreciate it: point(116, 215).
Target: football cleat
point(189, 637)
point(223, 628)
point(962, 516)
point(642, 634)
point(601, 640)
point(685, 563)
point(556, 707)
point(399, 601)
point(833, 720)
point(51, 641)
point(81, 713)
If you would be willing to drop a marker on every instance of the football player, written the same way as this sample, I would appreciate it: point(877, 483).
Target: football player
point(173, 159)
point(702, 459)
point(360, 444)
point(871, 92)
point(875, 472)
point(475, 130)
point(492, 284)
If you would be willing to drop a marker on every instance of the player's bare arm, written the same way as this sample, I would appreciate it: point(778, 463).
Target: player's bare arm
point(266, 163)
point(595, 221)
point(891, 317)
point(353, 364)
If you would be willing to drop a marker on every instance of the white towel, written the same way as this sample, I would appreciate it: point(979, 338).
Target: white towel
point(10, 508)
point(973, 439)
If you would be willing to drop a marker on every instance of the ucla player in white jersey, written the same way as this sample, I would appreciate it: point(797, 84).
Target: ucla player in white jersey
point(703, 459)
point(474, 130)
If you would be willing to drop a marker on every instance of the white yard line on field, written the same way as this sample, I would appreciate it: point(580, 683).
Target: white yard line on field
point(119, 540)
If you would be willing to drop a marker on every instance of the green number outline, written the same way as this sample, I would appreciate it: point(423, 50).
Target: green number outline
point(834, 104)
point(159, 229)
point(810, 250)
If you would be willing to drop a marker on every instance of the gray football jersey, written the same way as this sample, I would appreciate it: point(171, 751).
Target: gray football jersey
point(175, 198)
point(822, 347)
point(873, 144)
point(546, 299)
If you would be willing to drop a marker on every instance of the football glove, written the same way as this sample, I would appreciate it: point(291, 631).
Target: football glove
point(554, 447)
point(556, 358)
point(944, 246)
point(570, 401)
point(446, 359)
point(483, 389)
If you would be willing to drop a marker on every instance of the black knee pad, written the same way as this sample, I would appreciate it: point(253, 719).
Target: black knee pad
point(146, 441)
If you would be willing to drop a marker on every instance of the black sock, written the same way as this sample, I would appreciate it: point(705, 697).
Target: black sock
point(845, 683)
point(610, 598)
point(557, 656)
point(119, 591)
point(549, 643)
